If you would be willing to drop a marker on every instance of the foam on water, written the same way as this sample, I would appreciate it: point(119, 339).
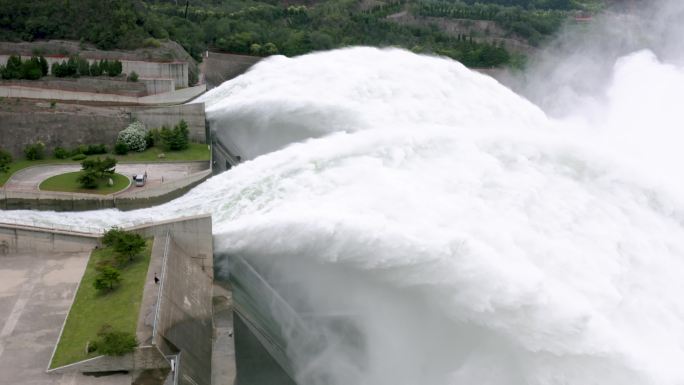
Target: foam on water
point(463, 236)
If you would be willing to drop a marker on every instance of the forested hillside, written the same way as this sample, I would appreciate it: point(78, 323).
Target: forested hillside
point(290, 27)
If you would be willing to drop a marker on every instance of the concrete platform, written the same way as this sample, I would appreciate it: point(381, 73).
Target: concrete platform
point(36, 292)
point(30, 178)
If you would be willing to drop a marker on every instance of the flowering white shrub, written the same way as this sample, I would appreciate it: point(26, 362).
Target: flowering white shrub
point(134, 136)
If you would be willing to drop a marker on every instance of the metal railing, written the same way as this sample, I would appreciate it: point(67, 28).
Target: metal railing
point(162, 279)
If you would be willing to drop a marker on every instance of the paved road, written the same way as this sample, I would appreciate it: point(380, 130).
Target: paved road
point(30, 178)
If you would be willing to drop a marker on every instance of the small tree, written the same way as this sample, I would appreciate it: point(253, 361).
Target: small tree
point(128, 247)
point(31, 69)
point(95, 69)
point(133, 136)
point(34, 151)
point(5, 160)
point(121, 148)
point(87, 180)
point(44, 68)
point(107, 279)
point(175, 139)
point(133, 77)
point(114, 343)
point(13, 68)
point(112, 236)
point(83, 66)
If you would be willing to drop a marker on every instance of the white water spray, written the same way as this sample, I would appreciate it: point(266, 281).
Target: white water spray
point(458, 234)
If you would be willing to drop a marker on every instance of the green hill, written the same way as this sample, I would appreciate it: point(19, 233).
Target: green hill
point(264, 27)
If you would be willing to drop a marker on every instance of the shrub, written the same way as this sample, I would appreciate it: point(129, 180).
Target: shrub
point(151, 42)
point(93, 149)
point(121, 148)
point(95, 69)
point(35, 151)
point(31, 69)
point(133, 77)
point(112, 236)
point(107, 279)
point(175, 139)
point(61, 153)
point(5, 160)
point(114, 343)
point(153, 137)
point(126, 245)
point(12, 69)
point(87, 180)
point(79, 157)
point(133, 136)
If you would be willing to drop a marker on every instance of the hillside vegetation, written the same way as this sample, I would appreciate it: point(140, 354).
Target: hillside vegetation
point(265, 27)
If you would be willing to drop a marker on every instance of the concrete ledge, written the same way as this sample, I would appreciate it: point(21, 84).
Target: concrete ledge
point(18, 238)
point(144, 357)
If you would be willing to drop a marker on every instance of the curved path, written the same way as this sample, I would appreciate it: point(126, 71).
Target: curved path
point(30, 178)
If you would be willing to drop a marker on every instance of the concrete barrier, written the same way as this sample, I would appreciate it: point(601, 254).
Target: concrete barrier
point(22, 238)
point(174, 97)
point(193, 114)
point(175, 70)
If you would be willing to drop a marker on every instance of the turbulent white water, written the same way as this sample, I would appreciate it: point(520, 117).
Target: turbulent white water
point(464, 236)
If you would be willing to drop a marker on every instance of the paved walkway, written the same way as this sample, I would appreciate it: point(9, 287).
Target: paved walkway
point(35, 294)
point(29, 179)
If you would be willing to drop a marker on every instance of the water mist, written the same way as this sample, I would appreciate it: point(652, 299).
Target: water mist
point(427, 225)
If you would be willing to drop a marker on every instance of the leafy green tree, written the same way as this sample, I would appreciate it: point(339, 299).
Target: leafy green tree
point(177, 138)
point(112, 236)
point(34, 151)
point(95, 69)
point(115, 343)
point(83, 66)
point(44, 68)
point(107, 279)
point(94, 170)
point(88, 180)
point(12, 68)
point(128, 247)
point(31, 69)
point(121, 148)
point(5, 160)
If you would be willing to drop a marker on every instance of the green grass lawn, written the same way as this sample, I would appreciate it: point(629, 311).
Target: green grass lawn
point(69, 183)
point(90, 310)
point(196, 151)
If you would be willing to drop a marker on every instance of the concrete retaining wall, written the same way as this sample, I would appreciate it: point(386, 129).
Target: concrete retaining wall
point(100, 85)
point(174, 97)
point(219, 67)
point(193, 114)
point(145, 357)
point(18, 239)
point(63, 125)
point(158, 86)
point(69, 125)
point(177, 71)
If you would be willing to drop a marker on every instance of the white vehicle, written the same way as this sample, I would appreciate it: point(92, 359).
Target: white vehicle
point(140, 179)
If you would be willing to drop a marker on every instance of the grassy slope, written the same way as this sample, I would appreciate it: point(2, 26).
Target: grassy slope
point(69, 183)
point(197, 151)
point(90, 310)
